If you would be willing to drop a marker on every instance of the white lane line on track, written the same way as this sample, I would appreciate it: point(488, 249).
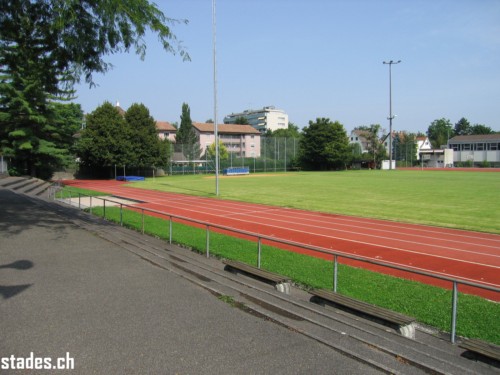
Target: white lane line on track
point(364, 234)
point(421, 228)
point(356, 241)
point(231, 206)
point(349, 240)
point(372, 226)
point(345, 231)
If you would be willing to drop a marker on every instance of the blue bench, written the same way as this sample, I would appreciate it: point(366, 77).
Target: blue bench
point(234, 171)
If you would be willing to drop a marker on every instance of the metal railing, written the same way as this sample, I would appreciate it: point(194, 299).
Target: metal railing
point(260, 237)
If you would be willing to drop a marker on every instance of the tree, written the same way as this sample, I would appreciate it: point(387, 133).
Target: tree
point(439, 132)
point(481, 129)
point(73, 36)
point(67, 121)
point(376, 151)
point(462, 127)
point(324, 145)
point(407, 147)
point(291, 132)
point(45, 47)
point(223, 153)
point(241, 120)
point(105, 141)
point(186, 140)
point(144, 140)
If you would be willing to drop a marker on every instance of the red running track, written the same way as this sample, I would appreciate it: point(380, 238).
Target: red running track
point(471, 256)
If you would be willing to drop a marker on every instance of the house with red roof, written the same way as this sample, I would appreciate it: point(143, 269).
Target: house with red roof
point(241, 140)
point(166, 130)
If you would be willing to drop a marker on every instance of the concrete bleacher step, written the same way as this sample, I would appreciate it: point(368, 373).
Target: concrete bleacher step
point(10, 182)
point(375, 344)
point(39, 189)
point(25, 185)
point(36, 186)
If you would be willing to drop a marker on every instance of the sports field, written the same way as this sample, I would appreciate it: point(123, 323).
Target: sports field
point(453, 199)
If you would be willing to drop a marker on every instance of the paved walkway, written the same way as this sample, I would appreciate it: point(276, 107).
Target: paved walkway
point(64, 289)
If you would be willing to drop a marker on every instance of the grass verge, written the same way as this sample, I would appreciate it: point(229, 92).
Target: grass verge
point(477, 317)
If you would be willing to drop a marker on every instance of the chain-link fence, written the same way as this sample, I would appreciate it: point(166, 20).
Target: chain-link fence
point(271, 154)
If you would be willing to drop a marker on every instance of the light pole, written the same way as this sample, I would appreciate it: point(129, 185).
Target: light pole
point(390, 63)
point(216, 135)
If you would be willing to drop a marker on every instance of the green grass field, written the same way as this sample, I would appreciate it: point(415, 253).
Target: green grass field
point(466, 200)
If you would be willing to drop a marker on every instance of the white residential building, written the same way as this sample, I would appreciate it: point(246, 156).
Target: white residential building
point(267, 118)
point(423, 144)
point(359, 137)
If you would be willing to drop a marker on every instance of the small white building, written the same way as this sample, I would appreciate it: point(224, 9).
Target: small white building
point(423, 144)
point(436, 158)
point(267, 118)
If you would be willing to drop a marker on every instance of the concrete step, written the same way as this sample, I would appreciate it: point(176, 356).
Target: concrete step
point(39, 189)
point(25, 185)
point(10, 181)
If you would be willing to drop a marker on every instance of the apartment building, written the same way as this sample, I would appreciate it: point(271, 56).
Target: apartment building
point(267, 118)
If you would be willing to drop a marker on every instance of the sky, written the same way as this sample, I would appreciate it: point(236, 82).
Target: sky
point(318, 58)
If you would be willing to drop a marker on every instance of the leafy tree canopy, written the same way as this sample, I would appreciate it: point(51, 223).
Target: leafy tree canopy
point(462, 127)
point(111, 139)
point(45, 47)
point(241, 120)
point(186, 140)
point(71, 37)
point(324, 145)
point(376, 151)
point(223, 152)
point(481, 129)
point(405, 146)
point(144, 140)
point(439, 132)
point(291, 132)
point(105, 141)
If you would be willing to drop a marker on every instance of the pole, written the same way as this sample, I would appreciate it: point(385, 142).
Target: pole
point(454, 312)
point(215, 102)
point(391, 117)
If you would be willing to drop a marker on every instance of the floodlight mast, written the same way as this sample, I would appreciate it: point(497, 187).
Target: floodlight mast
point(391, 116)
point(216, 135)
